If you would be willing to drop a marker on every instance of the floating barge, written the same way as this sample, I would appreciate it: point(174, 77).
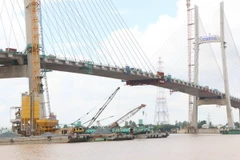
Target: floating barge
point(33, 140)
point(46, 139)
point(97, 138)
point(151, 135)
point(230, 131)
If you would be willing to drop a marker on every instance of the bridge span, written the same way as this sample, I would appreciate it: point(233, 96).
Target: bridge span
point(15, 65)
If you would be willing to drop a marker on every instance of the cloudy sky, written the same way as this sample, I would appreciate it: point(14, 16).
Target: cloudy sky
point(153, 23)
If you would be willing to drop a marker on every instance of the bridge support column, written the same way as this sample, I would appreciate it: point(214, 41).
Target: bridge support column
point(224, 63)
point(196, 66)
point(195, 115)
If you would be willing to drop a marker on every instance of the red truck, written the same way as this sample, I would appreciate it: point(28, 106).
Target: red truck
point(11, 50)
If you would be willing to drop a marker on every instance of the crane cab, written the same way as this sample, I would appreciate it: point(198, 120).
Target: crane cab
point(78, 130)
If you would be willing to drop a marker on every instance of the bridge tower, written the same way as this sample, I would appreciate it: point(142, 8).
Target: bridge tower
point(225, 73)
point(33, 117)
point(192, 34)
point(161, 111)
point(211, 39)
point(33, 56)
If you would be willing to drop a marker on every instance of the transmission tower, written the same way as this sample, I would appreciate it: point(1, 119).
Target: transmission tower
point(161, 110)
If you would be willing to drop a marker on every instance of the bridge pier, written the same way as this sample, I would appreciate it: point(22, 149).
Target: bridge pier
point(195, 114)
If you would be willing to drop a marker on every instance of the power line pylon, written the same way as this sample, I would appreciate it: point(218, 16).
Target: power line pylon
point(161, 110)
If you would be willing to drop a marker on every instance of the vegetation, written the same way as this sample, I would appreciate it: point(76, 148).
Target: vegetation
point(130, 124)
point(237, 124)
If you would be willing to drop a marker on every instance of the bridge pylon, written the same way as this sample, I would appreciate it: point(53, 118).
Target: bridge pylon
point(193, 49)
point(197, 101)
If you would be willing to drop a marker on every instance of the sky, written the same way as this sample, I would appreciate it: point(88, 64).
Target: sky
point(152, 22)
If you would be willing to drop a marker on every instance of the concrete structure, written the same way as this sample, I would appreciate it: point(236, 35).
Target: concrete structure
point(212, 39)
point(207, 95)
point(190, 36)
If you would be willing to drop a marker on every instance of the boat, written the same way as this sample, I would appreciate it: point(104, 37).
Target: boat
point(9, 140)
point(230, 131)
point(99, 137)
point(158, 135)
point(78, 138)
point(151, 135)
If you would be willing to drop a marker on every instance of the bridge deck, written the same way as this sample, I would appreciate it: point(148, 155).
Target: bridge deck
point(117, 73)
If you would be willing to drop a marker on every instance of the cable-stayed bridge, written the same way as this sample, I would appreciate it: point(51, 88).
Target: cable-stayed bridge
point(174, 84)
point(90, 37)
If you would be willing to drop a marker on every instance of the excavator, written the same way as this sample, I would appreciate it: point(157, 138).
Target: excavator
point(78, 127)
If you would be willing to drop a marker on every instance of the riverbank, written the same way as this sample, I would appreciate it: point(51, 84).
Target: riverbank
point(200, 131)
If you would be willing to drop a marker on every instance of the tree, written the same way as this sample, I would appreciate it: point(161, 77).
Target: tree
point(185, 124)
point(130, 123)
point(210, 125)
point(126, 123)
point(237, 124)
point(164, 127)
point(176, 123)
point(200, 123)
point(133, 124)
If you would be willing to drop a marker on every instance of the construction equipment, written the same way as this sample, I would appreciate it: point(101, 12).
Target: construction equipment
point(30, 118)
point(98, 122)
point(126, 116)
point(78, 129)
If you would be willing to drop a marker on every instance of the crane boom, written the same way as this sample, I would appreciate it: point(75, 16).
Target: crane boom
point(98, 122)
point(126, 116)
point(102, 108)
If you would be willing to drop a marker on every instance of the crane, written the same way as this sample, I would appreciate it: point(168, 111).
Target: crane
point(126, 116)
point(102, 108)
point(30, 110)
point(33, 119)
point(98, 122)
point(93, 119)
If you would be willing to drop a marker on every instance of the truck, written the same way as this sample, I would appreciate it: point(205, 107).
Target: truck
point(11, 50)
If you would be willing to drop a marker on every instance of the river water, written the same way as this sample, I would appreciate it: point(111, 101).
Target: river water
point(175, 147)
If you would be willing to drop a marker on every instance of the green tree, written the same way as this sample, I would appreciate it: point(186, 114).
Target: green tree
point(200, 123)
point(133, 124)
point(176, 122)
point(185, 124)
point(237, 124)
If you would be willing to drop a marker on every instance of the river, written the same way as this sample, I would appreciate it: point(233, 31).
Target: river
point(175, 147)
